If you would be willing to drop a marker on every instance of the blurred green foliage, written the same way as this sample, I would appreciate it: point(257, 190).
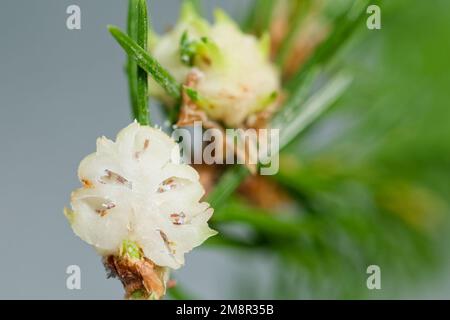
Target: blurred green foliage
point(371, 179)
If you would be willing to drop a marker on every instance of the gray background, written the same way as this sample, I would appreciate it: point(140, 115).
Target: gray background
point(59, 91)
